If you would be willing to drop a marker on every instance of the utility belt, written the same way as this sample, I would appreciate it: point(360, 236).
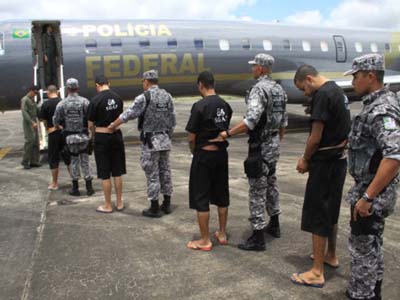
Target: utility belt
point(145, 137)
point(77, 141)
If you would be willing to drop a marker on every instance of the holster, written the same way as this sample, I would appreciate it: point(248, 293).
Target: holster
point(363, 225)
point(253, 165)
point(146, 139)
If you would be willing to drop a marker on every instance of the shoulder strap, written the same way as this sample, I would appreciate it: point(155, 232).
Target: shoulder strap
point(147, 96)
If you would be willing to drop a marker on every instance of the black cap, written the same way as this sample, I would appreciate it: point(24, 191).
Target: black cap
point(101, 80)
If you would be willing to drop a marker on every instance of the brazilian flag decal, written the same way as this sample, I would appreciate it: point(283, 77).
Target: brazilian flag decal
point(20, 33)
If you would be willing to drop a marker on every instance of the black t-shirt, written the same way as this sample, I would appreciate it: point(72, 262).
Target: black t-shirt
point(208, 117)
point(104, 108)
point(47, 111)
point(330, 105)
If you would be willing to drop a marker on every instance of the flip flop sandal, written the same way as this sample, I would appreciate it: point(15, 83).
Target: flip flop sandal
point(297, 279)
point(193, 246)
point(101, 209)
point(222, 242)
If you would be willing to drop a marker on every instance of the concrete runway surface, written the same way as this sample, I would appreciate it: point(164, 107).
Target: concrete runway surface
point(55, 246)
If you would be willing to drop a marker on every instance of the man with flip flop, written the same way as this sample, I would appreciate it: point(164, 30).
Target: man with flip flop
point(109, 149)
point(325, 161)
point(209, 170)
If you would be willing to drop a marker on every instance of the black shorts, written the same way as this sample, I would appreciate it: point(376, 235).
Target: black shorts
point(323, 196)
point(56, 150)
point(109, 151)
point(208, 181)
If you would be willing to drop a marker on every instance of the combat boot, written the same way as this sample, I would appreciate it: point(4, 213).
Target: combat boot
point(256, 242)
point(378, 290)
point(153, 211)
point(75, 188)
point(89, 187)
point(166, 205)
point(273, 227)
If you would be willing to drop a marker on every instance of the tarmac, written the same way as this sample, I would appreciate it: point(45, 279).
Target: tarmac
point(55, 246)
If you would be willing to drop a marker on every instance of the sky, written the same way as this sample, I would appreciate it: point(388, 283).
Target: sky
point(337, 13)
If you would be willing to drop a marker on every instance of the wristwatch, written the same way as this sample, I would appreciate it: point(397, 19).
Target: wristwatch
point(227, 133)
point(367, 198)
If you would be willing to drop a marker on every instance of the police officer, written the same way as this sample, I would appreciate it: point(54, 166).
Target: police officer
point(264, 121)
point(54, 134)
point(30, 123)
point(155, 110)
point(109, 148)
point(374, 161)
point(72, 114)
point(50, 55)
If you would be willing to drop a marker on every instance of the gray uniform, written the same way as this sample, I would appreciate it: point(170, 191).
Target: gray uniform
point(29, 111)
point(159, 122)
point(71, 114)
point(266, 97)
point(375, 133)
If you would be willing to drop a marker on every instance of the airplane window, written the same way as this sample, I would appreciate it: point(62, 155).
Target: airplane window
point(339, 46)
point(199, 44)
point(172, 43)
point(324, 46)
point(246, 44)
point(387, 47)
point(374, 47)
point(287, 45)
point(90, 45)
point(358, 46)
point(1, 43)
point(116, 43)
point(306, 46)
point(224, 45)
point(144, 43)
point(267, 45)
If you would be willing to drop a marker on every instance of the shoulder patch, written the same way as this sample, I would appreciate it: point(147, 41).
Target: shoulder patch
point(389, 123)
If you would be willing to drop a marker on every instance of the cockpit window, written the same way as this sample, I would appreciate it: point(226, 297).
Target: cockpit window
point(1, 43)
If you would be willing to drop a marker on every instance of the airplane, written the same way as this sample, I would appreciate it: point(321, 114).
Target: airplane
point(122, 50)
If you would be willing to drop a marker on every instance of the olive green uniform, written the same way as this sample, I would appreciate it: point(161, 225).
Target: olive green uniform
point(29, 111)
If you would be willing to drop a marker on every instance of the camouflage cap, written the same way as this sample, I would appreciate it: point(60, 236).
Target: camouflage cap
point(262, 59)
point(367, 62)
point(150, 74)
point(72, 83)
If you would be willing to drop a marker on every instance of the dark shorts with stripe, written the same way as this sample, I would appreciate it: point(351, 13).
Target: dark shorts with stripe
point(208, 181)
point(109, 152)
point(323, 196)
point(56, 150)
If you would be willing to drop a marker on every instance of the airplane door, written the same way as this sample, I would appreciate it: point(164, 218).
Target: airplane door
point(341, 52)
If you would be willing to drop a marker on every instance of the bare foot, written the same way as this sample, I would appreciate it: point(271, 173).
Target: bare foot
point(308, 278)
point(221, 238)
point(332, 262)
point(199, 245)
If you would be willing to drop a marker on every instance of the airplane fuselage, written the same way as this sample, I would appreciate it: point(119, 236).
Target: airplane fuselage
point(180, 50)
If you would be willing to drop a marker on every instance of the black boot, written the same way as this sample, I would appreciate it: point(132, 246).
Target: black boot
point(273, 227)
point(166, 205)
point(377, 290)
point(75, 189)
point(153, 211)
point(254, 243)
point(89, 187)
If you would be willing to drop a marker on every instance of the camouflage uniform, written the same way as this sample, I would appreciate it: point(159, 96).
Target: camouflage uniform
point(29, 111)
point(269, 97)
point(72, 113)
point(375, 133)
point(159, 122)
